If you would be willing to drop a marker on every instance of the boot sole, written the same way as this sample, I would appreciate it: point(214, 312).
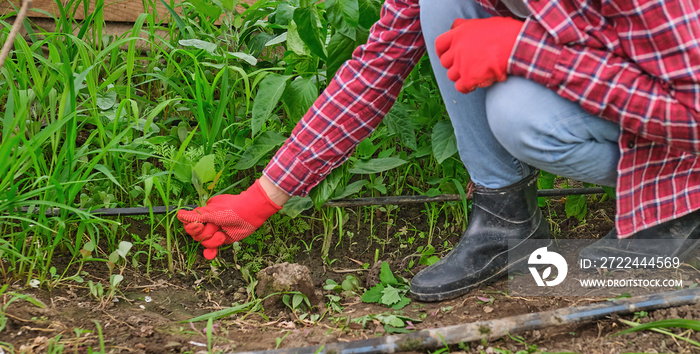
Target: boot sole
point(447, 295)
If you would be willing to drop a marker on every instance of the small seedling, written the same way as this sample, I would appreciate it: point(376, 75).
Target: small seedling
point(349, 287)
point(389, 292)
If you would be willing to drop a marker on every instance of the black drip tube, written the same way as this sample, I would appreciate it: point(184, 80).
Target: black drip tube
point(430, 339)
point(345, 203)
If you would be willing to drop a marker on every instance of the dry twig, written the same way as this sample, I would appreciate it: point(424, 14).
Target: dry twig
point(19, 20)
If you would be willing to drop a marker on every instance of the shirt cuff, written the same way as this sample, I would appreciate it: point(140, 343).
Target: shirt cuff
point(535, 55)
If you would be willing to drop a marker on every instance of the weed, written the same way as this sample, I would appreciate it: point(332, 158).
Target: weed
point(661, 325)
point(389, 292)
point(14, 297)
point(393, 323)
point(349, 287)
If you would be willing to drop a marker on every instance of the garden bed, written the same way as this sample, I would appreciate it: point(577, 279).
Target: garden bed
point(150, 311)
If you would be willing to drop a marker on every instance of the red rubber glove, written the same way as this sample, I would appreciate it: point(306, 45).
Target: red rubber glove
point(228, 218)
point(476, 52)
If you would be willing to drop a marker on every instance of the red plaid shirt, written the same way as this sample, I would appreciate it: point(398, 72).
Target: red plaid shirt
point(638, 66)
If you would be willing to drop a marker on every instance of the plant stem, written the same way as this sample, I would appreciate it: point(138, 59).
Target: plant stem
point(19, 20)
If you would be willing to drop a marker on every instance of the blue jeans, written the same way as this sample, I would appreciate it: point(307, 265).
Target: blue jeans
point(510, 126)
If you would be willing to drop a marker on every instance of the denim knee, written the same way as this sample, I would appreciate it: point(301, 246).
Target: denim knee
point(441, 13)
point(511, 125)
point(547, 131)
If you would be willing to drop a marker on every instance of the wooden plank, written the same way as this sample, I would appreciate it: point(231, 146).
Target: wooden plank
point(114, 11)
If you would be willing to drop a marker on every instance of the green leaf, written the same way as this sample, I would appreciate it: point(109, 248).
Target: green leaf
point(199, 44)
point(331, 285)
point(106, 100)
point(344, 16)
point(296, 205)
point(376, 165)
point(401, 304)
point(124, 248)
point(307, 22)
point(610, 191)
point(269, 93)
point(443, 141)
point(400, 124)
point(225, 312)
point(350, 283)
point(297, 300)
point(668, 323)
point(277, 40)
point(351, 189)
point(373, 295)
point(182, 169)
point(369, 12)
point(391, 320)
point(115, 279)
point(245, 57)
point(391, 329)
point(114, 257)
point(209, 10)
point(390, 295)
point(178, 21)
point(323, 191)
point(107, 172)
point(263, 144)
point(294, 41)
point(229, 5)
point(545, 181)
point(205, 168)
point(89, 246)
point(386, 276)
point(340, 49)
point(298, 97)
point(283, 14)
point(576, 206)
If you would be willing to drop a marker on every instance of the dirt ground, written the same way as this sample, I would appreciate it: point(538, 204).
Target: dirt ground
point(151, 312)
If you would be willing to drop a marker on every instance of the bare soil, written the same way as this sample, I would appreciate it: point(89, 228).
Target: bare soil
point(152, 310)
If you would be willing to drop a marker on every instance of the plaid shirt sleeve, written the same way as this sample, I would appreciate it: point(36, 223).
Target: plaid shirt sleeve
point(353, 104)
point(634, 63)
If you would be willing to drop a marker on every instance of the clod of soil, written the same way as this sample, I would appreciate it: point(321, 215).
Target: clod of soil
point(285, 277)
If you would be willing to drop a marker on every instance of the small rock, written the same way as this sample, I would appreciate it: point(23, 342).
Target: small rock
point(488, 309)
point(238, 297)
point(146, 331)
point(173, 345)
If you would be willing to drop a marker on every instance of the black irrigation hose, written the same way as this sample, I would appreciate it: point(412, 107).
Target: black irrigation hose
point(346, 203)
point(431, 339)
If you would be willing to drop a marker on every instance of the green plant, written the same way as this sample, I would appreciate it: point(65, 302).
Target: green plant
point(299, 303)
point(14, 297)
point(279, 340)
point(659, 326)
point(389, 292)
point(349, 287)
point(393, 323)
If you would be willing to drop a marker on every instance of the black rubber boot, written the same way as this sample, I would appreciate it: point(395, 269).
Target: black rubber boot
point(499, 216)
point(676, 238)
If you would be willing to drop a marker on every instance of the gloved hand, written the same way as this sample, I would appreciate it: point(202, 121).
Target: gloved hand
point(476, 51)
point(228, 218)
